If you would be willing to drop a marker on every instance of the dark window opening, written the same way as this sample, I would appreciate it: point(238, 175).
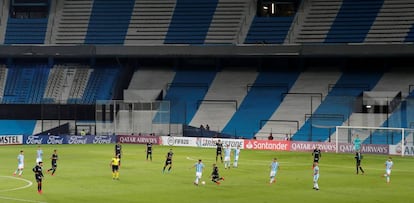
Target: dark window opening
point(24, 9)
point(276, 8)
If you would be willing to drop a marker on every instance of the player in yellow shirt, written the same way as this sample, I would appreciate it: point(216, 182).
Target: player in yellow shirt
point(115, 167)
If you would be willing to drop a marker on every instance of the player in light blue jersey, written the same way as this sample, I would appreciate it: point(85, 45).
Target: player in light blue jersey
point(236, 156)
point(199, 166)
point(20, 164)
point(39, 155)
point(227, 154)
point(274, 167)
point(388, 167)
point(316, 176)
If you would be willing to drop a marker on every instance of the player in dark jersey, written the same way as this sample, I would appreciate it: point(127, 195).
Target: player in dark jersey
point(316, 155)
point(118, 151)
point(215, 177)
point(358, 159)
point(219, 150)
point(54, 159)
point(38, 176)
point(168, 161)
point(149, 150)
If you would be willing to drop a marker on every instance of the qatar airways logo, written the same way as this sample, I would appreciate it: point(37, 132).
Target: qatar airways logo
point(368, 148)
point(55, 140)
point(77, 140)
point(310, 146)
point(99, 139)
point(32, 139)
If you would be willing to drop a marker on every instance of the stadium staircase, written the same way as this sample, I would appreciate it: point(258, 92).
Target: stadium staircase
point(353, 21)
point(402, 116)
point(26, 31)
point(318, 16)
point(263, 98)
point(80, 81)
point(226, 22)
point(187, 88)
point(25, 84)
point(71, 21)
point(191, 21)
point(100, 84)
point(393, 22)
point(304, 98)
point(109, 21)
point(337, 106)
point(149, 22)
point(268, 30)
point(223, 98)
point(66, 82)
point(151, 78)
point(3, 77)
point(4, 13)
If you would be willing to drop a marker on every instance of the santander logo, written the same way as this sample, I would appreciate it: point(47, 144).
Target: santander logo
point(249, 145)
point(267, 145)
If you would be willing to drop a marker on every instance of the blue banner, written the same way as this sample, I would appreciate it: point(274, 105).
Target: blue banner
point(69, 139)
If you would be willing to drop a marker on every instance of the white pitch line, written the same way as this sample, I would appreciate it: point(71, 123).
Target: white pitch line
point(29, 183)
point(21, 200)
point(191, 159)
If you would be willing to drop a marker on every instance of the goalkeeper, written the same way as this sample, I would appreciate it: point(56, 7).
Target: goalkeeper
point(215, 177)
point(357, 143)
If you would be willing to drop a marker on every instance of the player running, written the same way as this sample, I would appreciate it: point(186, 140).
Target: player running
point(215, 177)
point(168, 161)
point(54, 159)
point(20, 164)
point(274, 167)
point(388, 168)
point(199, 171)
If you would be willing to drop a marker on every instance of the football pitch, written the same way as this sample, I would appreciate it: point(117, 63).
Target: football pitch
point(84, 175)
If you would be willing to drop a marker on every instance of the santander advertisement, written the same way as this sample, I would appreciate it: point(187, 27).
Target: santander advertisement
point(267, 145)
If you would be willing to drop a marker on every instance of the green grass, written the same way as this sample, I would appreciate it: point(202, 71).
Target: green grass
point(84, 175)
